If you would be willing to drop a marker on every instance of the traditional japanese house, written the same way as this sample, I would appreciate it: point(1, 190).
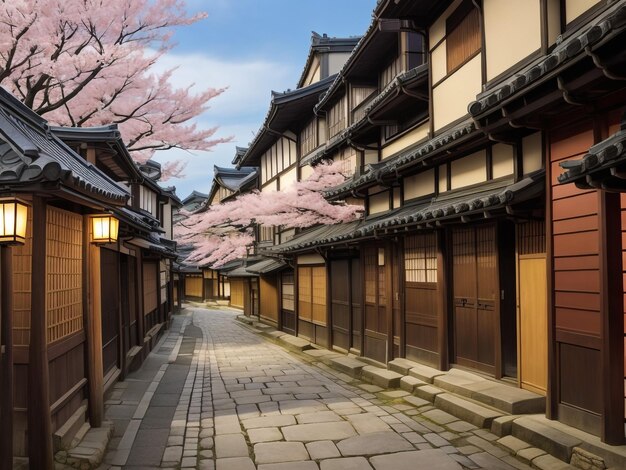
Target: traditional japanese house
point(52, 342)
point(290, 132)
point(566, 84)
point(190, 280)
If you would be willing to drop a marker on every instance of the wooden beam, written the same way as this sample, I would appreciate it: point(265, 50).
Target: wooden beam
point(6, 365)
point(94, 337)
point(443, 294)
point(39, 419)
point(612, 314)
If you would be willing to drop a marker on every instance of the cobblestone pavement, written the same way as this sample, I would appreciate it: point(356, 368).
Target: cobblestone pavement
point(221, 397)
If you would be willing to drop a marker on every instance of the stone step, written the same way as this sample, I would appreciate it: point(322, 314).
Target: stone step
point(545, 437)
point(401, 365)
point(425, 373)
point(381, 377)
point(348, 365)
point(293, 342)
point(88, 454)
point(466, 410)
point(409, 383)
point(509, 399)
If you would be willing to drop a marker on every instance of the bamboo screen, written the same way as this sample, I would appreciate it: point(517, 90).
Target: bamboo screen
point(304, 294)
point(288, 291)
point(463, 35)
point(149, 287)
point(64, 274)
point(531, 237)
point(22, 267)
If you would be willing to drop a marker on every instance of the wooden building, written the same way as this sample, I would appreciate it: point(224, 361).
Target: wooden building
point(453, 117)
point(72, 313)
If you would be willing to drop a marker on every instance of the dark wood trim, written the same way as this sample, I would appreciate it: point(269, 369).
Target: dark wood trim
point(483, 58)
point(39, 420)
point(58, 348)
point(568, 28)
point(612, 314)
point(6, 364)
point(362, 282)
point(450, 125)
point(448, 176)
point(67, 396)
point(141, 318)
point(329, 310)
point(350, 307)
point(296, 297)
point(277, 175)
point(121, 355)
point(552, 392)
point(401, 292)
point(386, 142)
point(443, 298)
point(489, 162)
point(498, 307)
point(578, 339)
point(457, 68)
point(518, 160)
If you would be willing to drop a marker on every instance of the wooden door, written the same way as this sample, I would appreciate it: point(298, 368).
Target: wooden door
point(254, 296)
point(475, 280)
point(340, 281)
point(421, 322)
point(287, 302)
point(268, 297)
point(375, 341)
point(110, 309)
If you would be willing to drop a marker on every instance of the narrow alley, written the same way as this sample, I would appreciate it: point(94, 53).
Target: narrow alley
point(215, 395)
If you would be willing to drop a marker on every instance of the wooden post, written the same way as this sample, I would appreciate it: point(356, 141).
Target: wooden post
point(94, 343)
point(39, 420)
point(140, 314)
point(6, 365)
point(612, 310)
point(443, 294)
point(121, 337)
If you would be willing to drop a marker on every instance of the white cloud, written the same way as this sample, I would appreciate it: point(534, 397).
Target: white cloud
point(249, 82)
point(239, 112)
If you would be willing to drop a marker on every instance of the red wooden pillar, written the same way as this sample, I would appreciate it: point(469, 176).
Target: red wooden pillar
point(39, 422)
point(6, 366)
point(612, 310)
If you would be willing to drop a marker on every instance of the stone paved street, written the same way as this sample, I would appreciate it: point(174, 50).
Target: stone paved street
point(222, 397)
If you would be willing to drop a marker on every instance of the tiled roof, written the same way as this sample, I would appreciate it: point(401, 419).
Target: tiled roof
point(267, 266)
point(599, 165)
point(375, 171)
point(590, 36)
point(234, 179)
point(445, 207)
point(31, 153)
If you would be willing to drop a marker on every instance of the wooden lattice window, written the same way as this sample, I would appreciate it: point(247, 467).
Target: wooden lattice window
point(420, 258)
point(22, 269)
point(308, 138)
point(531, 237)
point(370, 262)
point(312, 294)
point(287, 291)
point(462, 35)
point(337, 117)
point(64, 274)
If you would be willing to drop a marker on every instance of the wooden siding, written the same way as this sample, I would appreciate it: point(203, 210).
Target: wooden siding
point(462, 35)
point(288, 301)
point(337, 117)
point(576, 285)
point(268, 298)
point(110, 269)
point(376, 298)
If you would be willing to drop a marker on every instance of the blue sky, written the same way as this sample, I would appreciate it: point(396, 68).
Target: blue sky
point(253, 47)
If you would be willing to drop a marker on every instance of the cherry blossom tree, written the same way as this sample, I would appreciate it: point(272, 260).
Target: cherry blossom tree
point(222, 232)
point(88, 63)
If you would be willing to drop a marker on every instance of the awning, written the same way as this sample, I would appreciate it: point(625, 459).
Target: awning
point(603, 167)
point(268, 266)
point(152, 246)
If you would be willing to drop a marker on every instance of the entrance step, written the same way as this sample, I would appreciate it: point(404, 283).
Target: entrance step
point(425, 373)
point(64, 437)
point(401, 365)
point(293, 342)
point(545, 437)
point(348, 365)
point(89, 452)
point(467, 410)
point(381, 377)
point(510, 400)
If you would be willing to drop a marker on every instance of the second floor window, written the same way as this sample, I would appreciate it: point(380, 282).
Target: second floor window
point(462, 35)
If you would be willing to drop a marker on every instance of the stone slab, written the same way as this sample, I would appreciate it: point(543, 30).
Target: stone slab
point(349, 463)
point(238, 463)
point(416, 460)
point(409, 383)
point(512, 444)
point(269, 421)
point(427, 392)
point(425, 373)
point(319, 450)
point(307, 465)
point(230, 445)
point(264, 435)
point(381, 377)
point(347, 365)
point(466, 410)
point(401, 366)
point(319, 431)
point(540, 435)
point(374, 443)
point(294, 342)
point(366, 423)
point(278, 452)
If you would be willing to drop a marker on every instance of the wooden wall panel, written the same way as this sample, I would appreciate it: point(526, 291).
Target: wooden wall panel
point(193, 285)
point(268, 287)
point(150, 286)
point(22, 267)
point(237, 287)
